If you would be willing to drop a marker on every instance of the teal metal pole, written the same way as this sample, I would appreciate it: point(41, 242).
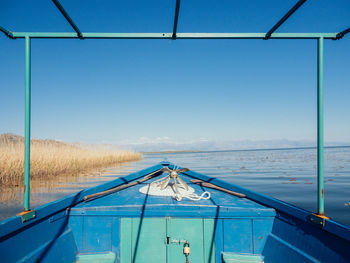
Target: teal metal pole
point(320, 185)
point(27, 127)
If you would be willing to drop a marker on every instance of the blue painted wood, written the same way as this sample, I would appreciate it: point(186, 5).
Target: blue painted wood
point(76, 224)
point(109, 257)
point(241, 258)
point(61, 250)
point(238, 235)
point(40, 242)
point(130, 202)
point(262, 227)
point(309, 240)
point(97, 234)
point(175, 211)
point(116, 237)
point(131, 196)
point(219, 239)
point(277, 249)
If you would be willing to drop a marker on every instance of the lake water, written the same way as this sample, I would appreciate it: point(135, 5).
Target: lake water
point(286, 174)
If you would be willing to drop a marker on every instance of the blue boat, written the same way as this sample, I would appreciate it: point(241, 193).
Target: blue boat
point(166, 213)
point(117, 222)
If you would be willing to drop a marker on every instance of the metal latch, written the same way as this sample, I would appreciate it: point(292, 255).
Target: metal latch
point(175, 241)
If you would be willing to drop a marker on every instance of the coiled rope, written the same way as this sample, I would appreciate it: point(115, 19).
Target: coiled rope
point(177, 191)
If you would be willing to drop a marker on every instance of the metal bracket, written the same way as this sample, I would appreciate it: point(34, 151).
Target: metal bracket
point(318, 219)
point(27, 215)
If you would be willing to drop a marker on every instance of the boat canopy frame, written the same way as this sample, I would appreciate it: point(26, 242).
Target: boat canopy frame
point(320, 37)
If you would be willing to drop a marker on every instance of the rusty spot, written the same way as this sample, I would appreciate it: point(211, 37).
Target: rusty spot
point(322, 191)
point(321, 215)
point(25, 212)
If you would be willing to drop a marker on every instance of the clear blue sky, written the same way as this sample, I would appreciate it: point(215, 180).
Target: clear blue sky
point(123, 90)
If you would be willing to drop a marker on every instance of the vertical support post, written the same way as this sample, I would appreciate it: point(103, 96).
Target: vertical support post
point(26, 200)
point(320, 186)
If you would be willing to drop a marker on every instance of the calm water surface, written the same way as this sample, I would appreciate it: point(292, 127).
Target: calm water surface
point(288, 175)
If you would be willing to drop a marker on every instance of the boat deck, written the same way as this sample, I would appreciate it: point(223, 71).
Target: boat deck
point(130, 202)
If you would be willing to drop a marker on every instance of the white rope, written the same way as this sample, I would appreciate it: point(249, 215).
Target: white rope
point(194, 197)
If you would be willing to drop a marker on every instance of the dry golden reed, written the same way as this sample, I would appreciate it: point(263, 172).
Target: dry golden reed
point(50, 159)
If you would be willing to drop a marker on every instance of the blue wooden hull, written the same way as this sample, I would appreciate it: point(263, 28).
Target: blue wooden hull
point(127, 226)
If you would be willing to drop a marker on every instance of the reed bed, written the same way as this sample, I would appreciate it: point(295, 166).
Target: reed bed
point(50, 159)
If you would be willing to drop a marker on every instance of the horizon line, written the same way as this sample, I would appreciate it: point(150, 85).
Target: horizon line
point(242, 150)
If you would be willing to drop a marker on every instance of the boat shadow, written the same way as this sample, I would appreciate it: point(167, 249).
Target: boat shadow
point(140, 226)
point(64, 226)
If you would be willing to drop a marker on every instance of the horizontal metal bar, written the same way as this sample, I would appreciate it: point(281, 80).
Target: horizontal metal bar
point(67, 17)
point(284, 18)
point(6, 32)
point(255, 35)
point(342, 33)
point(178, 35)
point(44, 35)
point(129, 35)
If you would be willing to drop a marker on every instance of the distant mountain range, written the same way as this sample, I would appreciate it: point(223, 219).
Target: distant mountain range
point(145, 144)
point(214, 145)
